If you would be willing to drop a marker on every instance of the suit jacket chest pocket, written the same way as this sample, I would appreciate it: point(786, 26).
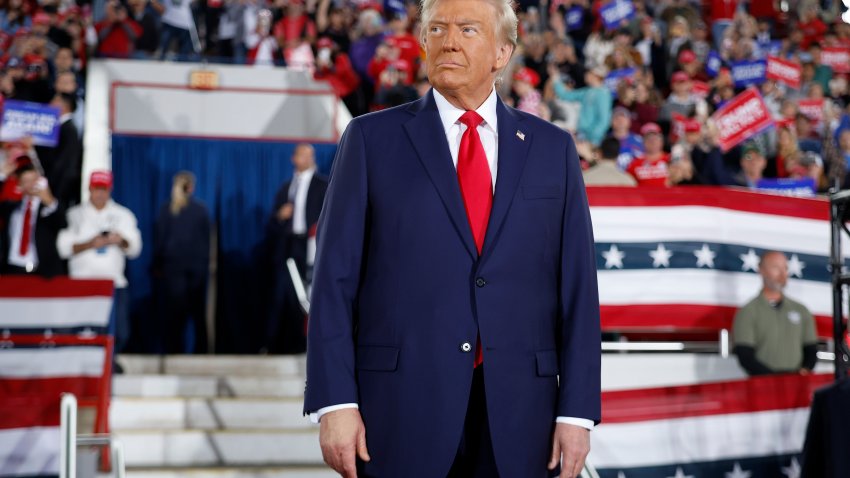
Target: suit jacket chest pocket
point(551, 191)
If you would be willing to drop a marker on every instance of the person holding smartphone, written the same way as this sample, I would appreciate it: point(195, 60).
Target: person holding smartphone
point(100, 237)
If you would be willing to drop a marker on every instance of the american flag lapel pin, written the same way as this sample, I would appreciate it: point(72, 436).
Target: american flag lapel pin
point(520, 135)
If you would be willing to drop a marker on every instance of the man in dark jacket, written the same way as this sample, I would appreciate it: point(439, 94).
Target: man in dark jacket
point(296, 211)
point(29, 226)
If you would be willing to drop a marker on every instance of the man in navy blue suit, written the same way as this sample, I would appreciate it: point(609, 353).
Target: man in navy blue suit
point(454, 326)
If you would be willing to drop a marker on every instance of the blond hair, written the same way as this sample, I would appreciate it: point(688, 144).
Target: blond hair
point(181, 191)
point(506, 19)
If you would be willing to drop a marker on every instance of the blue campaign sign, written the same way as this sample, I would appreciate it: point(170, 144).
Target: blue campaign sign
point(22, 118)
point(713, 63)
point(574, 18)
point(746, 73)
point(613, 79)
point(801, 187)
point(615, 12)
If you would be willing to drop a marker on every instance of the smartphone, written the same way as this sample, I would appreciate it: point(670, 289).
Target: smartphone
point(41, 184)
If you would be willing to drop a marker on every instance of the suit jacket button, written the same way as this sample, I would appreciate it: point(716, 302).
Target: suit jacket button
point(480, 282)
point(465, 347)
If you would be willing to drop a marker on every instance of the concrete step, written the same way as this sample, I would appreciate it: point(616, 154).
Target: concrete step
point(287, 472)
point(195, 448)
point(214, 365)
point(206, 386)
point(207, 414)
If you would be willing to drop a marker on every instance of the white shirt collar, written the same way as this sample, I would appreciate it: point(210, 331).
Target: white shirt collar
point(450, 114)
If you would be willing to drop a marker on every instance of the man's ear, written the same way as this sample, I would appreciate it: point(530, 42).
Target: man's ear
point(503, 55)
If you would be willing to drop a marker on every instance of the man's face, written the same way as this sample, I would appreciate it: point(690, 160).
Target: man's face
point(753, 164)
point(653, 143)
point(99, 196)
point(774, 271)
point(463, 52)
point(303, 159)
point(64, 59)
point(66, 83)
point(621, 122)
point(28, 182)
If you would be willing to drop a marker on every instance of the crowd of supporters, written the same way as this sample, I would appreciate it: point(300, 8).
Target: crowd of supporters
point(661, 72)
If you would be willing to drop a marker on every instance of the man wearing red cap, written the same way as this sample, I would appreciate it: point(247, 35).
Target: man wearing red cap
point(525, 84)
point(651, 169)
point(28, 226)
point(100, 237)
point(681, 99)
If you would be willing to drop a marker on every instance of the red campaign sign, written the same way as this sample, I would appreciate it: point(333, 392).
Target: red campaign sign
point(700, 88)
point(813, 109)
point(784, 71)
point(836, 57)
point(742, 117)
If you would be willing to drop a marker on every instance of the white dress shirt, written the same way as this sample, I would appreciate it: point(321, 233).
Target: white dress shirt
point(488, 131)
point(84, 223)
point(28, 261)
point(298, 189)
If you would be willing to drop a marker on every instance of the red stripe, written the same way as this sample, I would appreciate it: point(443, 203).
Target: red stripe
point(726, 198)
point(681, 317)
point(29, 411)
point(58, 287)
point(15, 393)
point(758, 394)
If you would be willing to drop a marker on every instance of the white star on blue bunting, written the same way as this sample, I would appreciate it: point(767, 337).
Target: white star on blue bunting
point(705, 256)
point(660, 256)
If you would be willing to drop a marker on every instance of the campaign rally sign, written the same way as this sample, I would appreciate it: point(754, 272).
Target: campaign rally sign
point(713, 63)
point(22, 119)
point(740, 118)
point(574, 18)
point(612, 81)
point(784, 71)
point(797, 187)
point(813, 109)
point(746, 73)
point(837, 58)
point(616, 12)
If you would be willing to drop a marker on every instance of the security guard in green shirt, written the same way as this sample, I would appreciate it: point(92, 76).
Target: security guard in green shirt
point(772, 333)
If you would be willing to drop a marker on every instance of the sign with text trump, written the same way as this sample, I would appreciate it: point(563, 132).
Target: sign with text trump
point(837, 58)
point(784, 71)
point(22, 119)
point(743, 117)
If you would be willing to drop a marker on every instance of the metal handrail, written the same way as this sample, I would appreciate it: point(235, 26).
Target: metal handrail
point(70, 442)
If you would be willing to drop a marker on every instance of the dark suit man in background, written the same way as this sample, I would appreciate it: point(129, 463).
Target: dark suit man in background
point(63, 163)
point(297, 205)
point(454, 322)
point(29, 226)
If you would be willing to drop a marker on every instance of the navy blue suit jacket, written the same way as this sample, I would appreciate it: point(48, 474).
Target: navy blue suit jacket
point(399, 287)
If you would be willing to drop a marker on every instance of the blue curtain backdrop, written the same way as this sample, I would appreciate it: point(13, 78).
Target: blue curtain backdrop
point(237, 180)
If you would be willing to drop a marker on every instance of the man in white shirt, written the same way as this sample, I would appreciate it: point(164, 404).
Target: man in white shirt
point(100, 237)
point(296, 211)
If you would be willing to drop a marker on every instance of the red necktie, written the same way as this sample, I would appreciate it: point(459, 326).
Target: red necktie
point(25, 234)
point(476, 186)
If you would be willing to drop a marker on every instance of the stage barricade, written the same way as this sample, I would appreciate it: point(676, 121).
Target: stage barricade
point(53, 340)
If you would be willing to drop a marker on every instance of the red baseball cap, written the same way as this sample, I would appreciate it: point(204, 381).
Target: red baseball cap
point(325, 42)
point(650, 128)
point(692, 126)
point(687, 56)
point(100, 179)
point(41, 18)
point(527, 75)
point(680, 77)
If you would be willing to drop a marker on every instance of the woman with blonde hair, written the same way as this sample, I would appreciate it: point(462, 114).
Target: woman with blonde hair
point(181, 265)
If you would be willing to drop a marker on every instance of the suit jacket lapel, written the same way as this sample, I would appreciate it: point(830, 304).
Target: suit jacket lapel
point(513, 149)
point(426, 133)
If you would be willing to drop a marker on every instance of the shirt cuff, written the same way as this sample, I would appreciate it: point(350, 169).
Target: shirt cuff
point(317, 416)
point(582, 422)
point(48, 210)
